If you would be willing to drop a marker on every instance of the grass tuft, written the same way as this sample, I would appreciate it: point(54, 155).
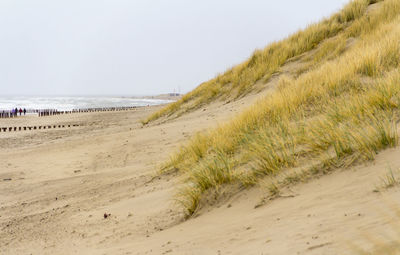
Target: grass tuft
point(389, 180)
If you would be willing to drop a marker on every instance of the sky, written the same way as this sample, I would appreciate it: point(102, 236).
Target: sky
point(137, 47)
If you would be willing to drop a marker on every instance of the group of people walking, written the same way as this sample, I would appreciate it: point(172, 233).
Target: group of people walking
point(12, 113)
point(20, 111)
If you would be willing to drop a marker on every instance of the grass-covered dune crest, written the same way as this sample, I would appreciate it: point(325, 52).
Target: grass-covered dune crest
point(241, 79)
point(343, 108)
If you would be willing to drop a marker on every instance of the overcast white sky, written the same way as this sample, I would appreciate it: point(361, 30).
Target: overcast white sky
point(137, 47)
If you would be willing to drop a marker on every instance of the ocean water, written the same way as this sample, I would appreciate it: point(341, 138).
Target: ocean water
point(64, 103)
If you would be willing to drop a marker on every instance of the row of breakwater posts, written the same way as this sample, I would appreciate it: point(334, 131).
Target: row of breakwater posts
point(51, 112)
point(42, 127)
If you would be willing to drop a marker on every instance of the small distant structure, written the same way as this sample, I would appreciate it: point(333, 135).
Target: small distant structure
point(174, 94)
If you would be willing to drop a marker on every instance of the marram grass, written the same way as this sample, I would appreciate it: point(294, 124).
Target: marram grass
point(342, 110)
point(241, 79)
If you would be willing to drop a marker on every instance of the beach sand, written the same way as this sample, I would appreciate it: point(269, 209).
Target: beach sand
point(56, 185)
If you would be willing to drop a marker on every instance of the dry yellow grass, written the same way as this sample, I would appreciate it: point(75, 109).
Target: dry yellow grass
point(342, 110)
point(263, 63)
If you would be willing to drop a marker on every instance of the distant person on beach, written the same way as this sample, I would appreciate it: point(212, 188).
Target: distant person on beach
point(16, 112)
point(24, 111)
point(20, 111)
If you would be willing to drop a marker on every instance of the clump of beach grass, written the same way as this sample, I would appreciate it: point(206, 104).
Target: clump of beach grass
point(389, 180)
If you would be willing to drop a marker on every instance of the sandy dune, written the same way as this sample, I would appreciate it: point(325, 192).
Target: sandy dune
point(56, 186)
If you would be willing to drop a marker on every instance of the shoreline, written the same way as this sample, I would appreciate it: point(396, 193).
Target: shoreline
point(65, 103)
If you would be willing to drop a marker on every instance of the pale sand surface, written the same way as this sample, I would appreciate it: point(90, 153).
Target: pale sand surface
point(64, 180)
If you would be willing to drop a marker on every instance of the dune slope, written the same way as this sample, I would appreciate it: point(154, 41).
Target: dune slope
point(336, 113)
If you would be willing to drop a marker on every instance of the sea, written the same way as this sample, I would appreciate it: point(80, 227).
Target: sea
point(68, 103)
